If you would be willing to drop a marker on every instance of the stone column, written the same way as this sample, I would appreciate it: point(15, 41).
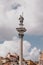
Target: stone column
point(21, 49)
point(21, 31)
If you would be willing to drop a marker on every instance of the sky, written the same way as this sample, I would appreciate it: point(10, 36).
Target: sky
point(10, 10)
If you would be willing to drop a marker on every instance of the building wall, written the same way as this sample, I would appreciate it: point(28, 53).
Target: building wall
point(7, 63)
point(41, 58)
point(29, 62)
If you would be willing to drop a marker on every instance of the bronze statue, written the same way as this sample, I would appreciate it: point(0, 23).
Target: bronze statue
point(21, 19)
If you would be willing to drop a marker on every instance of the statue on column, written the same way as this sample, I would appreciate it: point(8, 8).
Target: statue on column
point(21, 19)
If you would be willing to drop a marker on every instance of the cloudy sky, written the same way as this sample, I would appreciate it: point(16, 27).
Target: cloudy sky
point(33, 22)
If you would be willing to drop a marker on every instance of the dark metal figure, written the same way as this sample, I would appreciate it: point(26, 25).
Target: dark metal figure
point(21, 19)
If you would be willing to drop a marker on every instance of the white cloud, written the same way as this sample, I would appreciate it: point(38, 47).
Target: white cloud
point(34, 54)
point(13, 46)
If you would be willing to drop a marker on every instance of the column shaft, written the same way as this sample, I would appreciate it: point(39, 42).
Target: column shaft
point(21, 50)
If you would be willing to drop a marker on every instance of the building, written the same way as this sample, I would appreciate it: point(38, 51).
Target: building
point(29, 62)
point(40, 62)
point(11, 60)
point(0, 61)
point(41, 58)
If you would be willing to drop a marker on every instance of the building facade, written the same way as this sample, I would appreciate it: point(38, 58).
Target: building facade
point(11, 60)
point(29, 62)
point(41, 58)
